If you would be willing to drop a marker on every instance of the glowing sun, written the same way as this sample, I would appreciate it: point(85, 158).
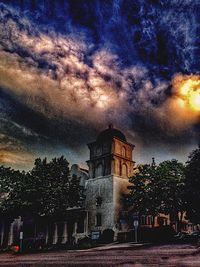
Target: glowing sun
point(188, 90)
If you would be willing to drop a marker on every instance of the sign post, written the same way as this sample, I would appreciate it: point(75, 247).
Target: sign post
point(135, 224)
point(21, 241)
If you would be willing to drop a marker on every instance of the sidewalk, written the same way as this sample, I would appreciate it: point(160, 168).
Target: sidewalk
point(116, 245)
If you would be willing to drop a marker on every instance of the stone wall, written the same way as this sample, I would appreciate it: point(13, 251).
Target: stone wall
point(100, 187)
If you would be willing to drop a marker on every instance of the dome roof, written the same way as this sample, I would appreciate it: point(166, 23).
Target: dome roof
point(110, 133)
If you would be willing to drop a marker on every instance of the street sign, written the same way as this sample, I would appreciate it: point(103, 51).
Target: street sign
point(95, 235)
point(21, 235)
point(136, 223)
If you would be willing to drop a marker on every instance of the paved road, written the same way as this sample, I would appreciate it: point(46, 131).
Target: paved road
point(118, 255)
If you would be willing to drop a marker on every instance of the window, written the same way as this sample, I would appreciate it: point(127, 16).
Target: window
point(117, 166)
point(149, 220)
point(98, 219)
point(98, 201)
point(123, 151)
point(80, 225)
point(105, 148)
point(143, 220)
point(124, 170)
point(99, 150)
point(99, 170)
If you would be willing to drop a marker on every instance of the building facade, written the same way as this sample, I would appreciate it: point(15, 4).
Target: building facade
point(105, 181)
point(110, 165)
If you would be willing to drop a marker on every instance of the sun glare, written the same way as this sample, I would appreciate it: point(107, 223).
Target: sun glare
point(189, 92)
point(195, 100)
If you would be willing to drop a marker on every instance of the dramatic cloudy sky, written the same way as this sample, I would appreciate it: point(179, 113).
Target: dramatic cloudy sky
point(68, 68)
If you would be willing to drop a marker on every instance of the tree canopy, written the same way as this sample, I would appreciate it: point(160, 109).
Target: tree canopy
point(158, 189)
point(47, 190)
point(193, 186)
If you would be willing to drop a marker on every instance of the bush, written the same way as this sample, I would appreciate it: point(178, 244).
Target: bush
point(85, 243)
point(33, 244)
point(156, 235)
point(107, 236)
point(162, 234)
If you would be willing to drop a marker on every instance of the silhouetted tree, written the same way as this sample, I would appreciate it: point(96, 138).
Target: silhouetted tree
point(142, 191)
point(47, 190)
point(193, 186)
point(171, 187)
point(158, 189)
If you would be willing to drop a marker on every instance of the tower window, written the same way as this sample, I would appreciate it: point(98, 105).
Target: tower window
point(98, 219)
point(99, 170)
point(117, 166)
point(124, 170)
point(123, 151)
point(98, 201)
point(98, 150)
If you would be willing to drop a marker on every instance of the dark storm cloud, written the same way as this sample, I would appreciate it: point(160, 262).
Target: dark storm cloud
point(67, 68)
point(30, 126)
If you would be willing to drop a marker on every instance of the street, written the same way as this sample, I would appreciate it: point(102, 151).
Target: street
point(110, 255)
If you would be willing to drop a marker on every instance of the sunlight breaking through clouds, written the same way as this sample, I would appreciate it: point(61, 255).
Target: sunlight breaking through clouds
point(92, 74)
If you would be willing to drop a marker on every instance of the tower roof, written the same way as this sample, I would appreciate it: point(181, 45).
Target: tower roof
point(110, 133)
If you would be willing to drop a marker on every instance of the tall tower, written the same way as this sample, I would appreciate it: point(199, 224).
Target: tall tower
point(110, 165)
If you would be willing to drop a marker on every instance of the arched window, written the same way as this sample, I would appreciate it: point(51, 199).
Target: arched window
point(117, 166)
point(99, 170)
point(123, 151)
point(124, 170)
point(98, 150)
